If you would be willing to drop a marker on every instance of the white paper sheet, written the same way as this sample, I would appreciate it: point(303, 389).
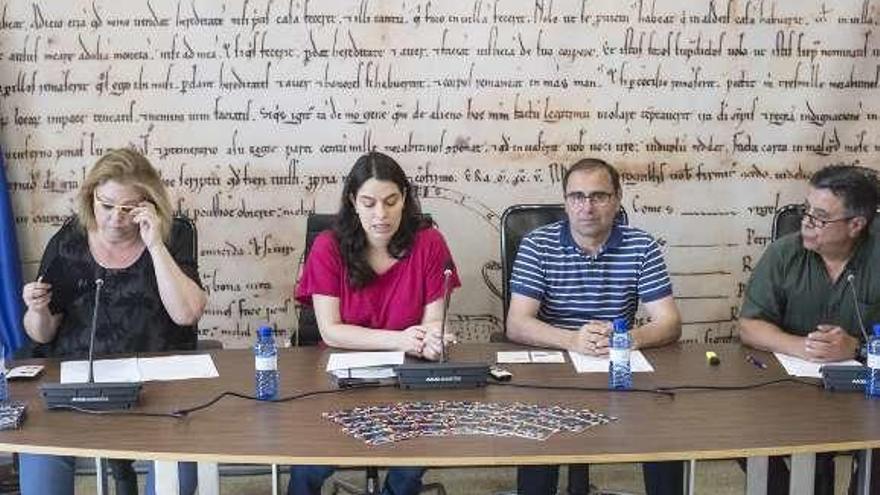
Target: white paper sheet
point(507, 357)
point(795, 366)
point(547, 356)
point(348, 360)
point(592, 364)
point(177, 367)
point(106, 370)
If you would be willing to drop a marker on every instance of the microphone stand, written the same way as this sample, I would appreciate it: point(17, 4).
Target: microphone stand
point(443, 374)
point(90, 395)
point(99, 283)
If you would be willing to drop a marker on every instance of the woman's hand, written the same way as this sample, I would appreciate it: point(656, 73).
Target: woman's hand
point(37, 295)
point(412, 340)
point(149, 223)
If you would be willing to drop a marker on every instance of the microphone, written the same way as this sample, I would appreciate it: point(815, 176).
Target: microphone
point(852, 286)
point(90, 395)
point(443, 374)
point(447, 274)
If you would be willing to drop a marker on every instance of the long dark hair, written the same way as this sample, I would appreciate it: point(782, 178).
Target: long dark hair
point(347, 227)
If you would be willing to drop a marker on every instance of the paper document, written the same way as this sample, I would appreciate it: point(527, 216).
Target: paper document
point(177, 367)
point(795, 366)
point(593, 364)
point(364, 365)
point(506, 357)
point(348, 360)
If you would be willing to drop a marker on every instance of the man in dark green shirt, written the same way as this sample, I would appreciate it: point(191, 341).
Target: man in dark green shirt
point(802, 296)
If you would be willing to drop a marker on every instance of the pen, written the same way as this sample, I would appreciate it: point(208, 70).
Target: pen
point(756, 362)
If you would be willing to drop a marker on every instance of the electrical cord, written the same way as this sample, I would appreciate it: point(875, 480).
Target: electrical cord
point(371, 384)
point(582, 389)
point(205, 405)
point(722, 388)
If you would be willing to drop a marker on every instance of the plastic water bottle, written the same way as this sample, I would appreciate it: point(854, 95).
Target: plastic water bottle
point(266, 365)
point(872, 385)
point(619, 373)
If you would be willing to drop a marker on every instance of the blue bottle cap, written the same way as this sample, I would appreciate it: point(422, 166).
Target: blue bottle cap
point(264, 331)
point(620, 325)
point(877, 329)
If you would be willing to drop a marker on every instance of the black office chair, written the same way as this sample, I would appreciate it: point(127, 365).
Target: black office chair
point(516, 222)
point(307, 333)
point(787, 220)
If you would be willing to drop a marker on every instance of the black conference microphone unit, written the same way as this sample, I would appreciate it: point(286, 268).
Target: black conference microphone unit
point(91, 395)
point(847, 378)
point(443, 374)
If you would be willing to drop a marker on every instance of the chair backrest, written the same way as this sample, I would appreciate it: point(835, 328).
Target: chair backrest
point(307, 325)
point(519, 220)
point(787, 219)
point(184, 228)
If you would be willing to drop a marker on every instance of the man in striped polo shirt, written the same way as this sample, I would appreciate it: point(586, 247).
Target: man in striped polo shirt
point(572, 278)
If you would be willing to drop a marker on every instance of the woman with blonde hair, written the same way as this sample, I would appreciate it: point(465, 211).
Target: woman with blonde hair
point(151, 296)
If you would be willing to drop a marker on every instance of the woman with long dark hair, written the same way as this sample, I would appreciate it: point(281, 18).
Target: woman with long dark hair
point(376, 283)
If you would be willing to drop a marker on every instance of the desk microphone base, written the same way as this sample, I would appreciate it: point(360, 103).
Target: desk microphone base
point(844, 378)
point(442, 375)
point(91, 396)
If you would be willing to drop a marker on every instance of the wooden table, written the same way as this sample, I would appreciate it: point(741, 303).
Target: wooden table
point(784, 418)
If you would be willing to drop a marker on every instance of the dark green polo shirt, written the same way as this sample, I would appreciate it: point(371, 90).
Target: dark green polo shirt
point(791, 289)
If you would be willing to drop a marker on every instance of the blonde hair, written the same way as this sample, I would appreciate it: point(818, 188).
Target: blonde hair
point(130, 168)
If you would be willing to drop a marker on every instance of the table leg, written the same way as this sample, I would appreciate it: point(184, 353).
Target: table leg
point(864, 480)
point(101, 487)
point(689, 476)
point(209, 478)
point(803, 474)
point(757, 469)
point(167, 477)
point(275, 479)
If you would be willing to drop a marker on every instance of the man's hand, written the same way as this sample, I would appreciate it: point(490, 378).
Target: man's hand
point(593, 338)
point(829, 343)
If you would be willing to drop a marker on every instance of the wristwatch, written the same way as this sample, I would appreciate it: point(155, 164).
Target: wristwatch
point(862, 352)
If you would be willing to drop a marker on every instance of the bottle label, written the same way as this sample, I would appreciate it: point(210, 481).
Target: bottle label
point(619, 355)
point(874, 361)
point(266, 363)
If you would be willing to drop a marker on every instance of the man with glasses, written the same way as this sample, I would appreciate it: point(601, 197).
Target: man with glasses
point(802, 295)
point(572, 278)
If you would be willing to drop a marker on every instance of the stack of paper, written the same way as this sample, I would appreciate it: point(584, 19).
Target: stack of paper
point(364, 365)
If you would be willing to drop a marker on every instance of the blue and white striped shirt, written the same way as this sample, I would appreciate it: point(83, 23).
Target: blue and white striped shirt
point(574, 287)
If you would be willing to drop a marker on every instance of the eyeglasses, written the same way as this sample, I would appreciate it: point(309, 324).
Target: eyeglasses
point(815, 222)
point(110, 207)
point(579, 199)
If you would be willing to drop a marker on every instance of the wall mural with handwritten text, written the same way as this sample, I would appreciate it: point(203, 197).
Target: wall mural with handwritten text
point(715, 112)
